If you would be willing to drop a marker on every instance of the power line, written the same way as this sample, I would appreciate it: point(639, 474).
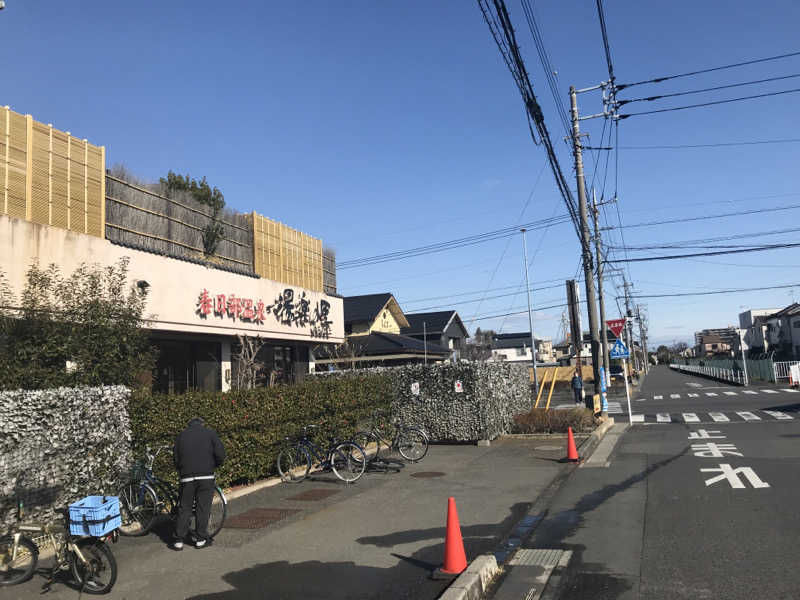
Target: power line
point(738, 236)
point(731, 66)
point(707, 217)
point(716, 145)
point(714, 292)
point(511, 314)
point(700, 91)
point(716, 253)
point(662, 110)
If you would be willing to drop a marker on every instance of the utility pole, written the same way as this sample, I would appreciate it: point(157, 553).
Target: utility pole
point(606, 363)
point(530, 313)
point(588, 274)
point(629, 321)
point(643, 338)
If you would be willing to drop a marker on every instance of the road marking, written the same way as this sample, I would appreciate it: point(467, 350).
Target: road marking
point(730, 393)
point(614, 408)
point(691, 418)
point(719, 417)
point(749, 392)
point(781, 416)
point(639, 418)
point(770, 391)
point(663, 418)
point(748, 416)
point(711, 393)
point(790, 390)
point(641, 399)
point(674, 395)
point(693, 384)
point(658, 397)
point(693, 395)
point(731, 475)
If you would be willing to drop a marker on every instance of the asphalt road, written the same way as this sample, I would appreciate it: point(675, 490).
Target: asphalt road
point(655, 525)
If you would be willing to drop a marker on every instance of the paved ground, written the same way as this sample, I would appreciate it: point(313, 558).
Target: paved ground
point(378, 538)
point(655, 525)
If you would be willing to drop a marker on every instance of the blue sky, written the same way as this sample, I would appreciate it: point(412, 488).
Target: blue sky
point(383, 126)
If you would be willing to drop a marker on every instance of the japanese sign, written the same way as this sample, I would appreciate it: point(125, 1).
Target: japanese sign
point(619, 350)
point(287, 309)
point(616, 325)
point(735, 477)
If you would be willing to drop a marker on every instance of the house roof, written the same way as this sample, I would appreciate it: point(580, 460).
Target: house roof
point(379, 343)
point(434, 323)
point(513, 340)
point(791, 310)
point(369, 306)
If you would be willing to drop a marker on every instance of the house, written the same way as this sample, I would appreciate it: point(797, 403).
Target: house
point(372, 326)
point(444, 328)
point(713, 341)
point(753, 324)
point(783, 332)
point(516, 347)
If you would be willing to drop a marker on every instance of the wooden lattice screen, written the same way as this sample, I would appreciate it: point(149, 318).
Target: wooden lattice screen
point(49, 177)
point(286, 255)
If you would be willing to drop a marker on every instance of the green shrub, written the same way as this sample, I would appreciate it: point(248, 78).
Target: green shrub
point(252, 424)
point(540, 420)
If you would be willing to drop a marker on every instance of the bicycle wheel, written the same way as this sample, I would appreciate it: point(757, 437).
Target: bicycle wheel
point(348, 461)
point(294, 464)
point(138, 507)
point(368, 442)
point(19, 567)
point(216, 517)
point(99, 573)
point(412, 444)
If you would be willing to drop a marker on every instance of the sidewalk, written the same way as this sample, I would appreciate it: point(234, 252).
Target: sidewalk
point(378, 538)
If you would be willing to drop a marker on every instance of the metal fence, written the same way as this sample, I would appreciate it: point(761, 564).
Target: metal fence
point(781, 369)
point(715, 372)
point(760, 370)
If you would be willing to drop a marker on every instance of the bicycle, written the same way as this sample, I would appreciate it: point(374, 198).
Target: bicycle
point(346, 459)
point(146, 496)
point(88, 558)
point(410, 442)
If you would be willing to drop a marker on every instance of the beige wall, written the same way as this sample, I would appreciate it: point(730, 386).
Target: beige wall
point(175, 285)
point(385, 322)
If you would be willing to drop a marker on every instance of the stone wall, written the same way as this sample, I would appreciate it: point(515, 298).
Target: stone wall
point(59, 445)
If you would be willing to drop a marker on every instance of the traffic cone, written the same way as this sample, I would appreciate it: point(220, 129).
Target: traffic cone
point(455, 559)
point(572, 452)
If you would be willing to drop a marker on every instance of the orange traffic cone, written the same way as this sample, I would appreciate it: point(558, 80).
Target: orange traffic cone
point(572, 452)
point(455, 559)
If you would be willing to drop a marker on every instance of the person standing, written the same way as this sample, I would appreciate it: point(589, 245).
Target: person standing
point(577, 386)
point(197, 452)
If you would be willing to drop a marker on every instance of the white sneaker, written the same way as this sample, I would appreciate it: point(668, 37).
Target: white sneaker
point(177, 545)
point(200, 543)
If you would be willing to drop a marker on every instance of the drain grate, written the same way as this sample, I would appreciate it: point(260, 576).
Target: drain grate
point(428, 474)
point(538, 558)
point(258, 518)
point(313, 494)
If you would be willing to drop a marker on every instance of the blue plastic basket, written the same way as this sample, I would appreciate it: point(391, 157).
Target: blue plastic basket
point(94, 515)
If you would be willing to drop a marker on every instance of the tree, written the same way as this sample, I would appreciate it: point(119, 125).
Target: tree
point(662, 352)
point(213, 233)
point(479, 346)
point(248, 367)
point(85, 329)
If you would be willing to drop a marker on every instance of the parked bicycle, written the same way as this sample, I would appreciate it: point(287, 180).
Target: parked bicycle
point(346, 459)
point(410, 442)
point(146, 496)
point(88, 558)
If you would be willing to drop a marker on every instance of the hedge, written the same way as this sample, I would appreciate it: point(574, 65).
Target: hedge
point(540, 420)
point(252, 424)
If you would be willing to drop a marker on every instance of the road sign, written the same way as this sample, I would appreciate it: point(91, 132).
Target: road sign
point(619, 350)
point(616, 325)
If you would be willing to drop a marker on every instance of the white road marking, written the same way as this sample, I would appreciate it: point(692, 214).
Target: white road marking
point(693, 395)
point(790, 390)
point(674, 395)
point(663, 418)
point(719, 417)
point(750, 392)
point(730, 393)
point(640, 399)
point(711, 393)
point(781, 416)
point(637, 418)
point(658, 397)
point(770, 391)
point(692, 384)
point(614, 408)
point(691, 418)
point(732, 476)
point(748, 416)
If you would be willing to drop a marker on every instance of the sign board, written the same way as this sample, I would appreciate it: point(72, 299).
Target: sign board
point(459, 387)
point(616, 325)
point(619, 350)
point(415, 388)
point(794, 375)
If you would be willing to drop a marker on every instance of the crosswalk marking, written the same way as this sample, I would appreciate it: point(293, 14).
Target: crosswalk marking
point(693, 395)
point(663, 418)
point(781, 416)
point(614, 408)
point(637, 418)
point(691, 418)
point(730, 393)
point(770, 391)
point(790, 390)
point(748, 416)
point(658, 397)
point(711, 393)
point(750, 392)
point(718, 417)
point(674, 395)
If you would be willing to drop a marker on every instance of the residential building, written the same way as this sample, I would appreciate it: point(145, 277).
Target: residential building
point(783, 332)
point(753, 324)
point(443, 328)
point(58, 205)
point(516, 347)
point(716, 341)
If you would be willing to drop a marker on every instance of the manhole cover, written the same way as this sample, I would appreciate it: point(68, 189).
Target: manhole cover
point(314, 494)
point(258, 518)
point(428, 474)
point(548, 448)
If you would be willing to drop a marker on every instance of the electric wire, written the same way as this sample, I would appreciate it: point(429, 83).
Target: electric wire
point(716, 145)
point(715, 292)
point(763, 248)
point(700, 91)
point(703, 104)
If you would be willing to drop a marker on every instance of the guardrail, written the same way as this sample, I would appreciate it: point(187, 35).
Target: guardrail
point(730, 375)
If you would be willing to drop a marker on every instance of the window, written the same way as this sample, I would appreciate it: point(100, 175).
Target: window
point(522, 351)
point(796, 324)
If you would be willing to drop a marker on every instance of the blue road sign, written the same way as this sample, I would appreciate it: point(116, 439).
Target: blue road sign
point(619, 350)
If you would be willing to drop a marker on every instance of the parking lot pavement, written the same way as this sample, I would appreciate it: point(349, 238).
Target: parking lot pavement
point(378, 538)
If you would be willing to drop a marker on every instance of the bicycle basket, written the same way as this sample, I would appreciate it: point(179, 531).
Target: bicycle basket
point(94, 515)
point(137, 472)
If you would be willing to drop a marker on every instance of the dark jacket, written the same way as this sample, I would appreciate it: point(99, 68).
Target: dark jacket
point(577, 383)
point(198, 451)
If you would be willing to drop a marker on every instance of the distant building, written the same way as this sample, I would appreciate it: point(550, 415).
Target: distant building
point(709, 342)
point(754, 323)
point(516, 347)
point(443, 328)
point(783, 332)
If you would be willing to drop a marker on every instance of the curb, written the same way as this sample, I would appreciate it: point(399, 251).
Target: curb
point(476, 579)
